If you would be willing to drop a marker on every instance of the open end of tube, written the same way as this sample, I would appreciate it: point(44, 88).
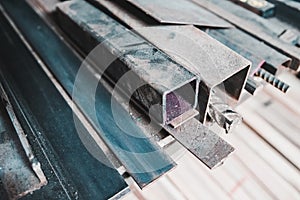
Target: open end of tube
point(180, 104)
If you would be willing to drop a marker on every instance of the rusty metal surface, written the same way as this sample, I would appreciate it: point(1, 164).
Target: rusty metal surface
point(179, 12)
point(160, 76)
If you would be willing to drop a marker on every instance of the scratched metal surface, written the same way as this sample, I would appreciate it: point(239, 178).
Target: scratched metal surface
point(72, 172)
point(64, 64)
point(180, 12)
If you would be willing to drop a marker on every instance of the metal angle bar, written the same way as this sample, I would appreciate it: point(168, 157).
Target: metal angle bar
point(164, 81)
point(251, 28)
point(64, 156)
point(179, 12)
point(64, 64)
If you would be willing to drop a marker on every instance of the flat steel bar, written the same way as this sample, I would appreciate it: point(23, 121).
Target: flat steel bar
point(206, 145)
point(64, 64)
point(179, 12)
point(36, 166)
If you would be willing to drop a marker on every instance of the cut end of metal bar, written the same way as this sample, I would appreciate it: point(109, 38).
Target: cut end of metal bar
point(252, 86)
point(178, 121)
point(223, 115)
point(272, 80)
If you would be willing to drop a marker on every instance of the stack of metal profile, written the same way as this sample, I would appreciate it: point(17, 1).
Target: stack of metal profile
point(104, 89)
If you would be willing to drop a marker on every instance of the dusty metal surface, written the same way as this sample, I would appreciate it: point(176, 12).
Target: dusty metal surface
point(250, 27)
point(18, 176)
point(131, 55)
point(180, 12)
point(203, 143)
point(272, 80)
point(216, 65)
point(260, 54)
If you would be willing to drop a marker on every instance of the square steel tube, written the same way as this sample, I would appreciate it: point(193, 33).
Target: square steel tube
point(125, 52)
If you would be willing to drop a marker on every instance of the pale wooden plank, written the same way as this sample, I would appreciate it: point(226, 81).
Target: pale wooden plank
point(263, 172)
point(270, 134)
point(267, 153)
